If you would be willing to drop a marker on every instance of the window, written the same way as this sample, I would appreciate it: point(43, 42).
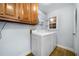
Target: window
point(52, 23)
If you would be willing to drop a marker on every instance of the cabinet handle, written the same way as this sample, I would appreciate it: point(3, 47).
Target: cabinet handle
point(18, 17)
point(1, 13)
point(0, 35)
point(74, 33)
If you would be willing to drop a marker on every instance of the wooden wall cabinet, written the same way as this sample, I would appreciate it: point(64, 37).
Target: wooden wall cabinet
point(20, 12)
point(11, 10)
point(29, 13)
point(2, 10)
point(8, 11)
point(25, 13)
point(34, 13)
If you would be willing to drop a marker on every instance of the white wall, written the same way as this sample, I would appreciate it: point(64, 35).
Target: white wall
point(41, 15)
point(1, 26)
point(77, 34)
point(65, 26)
point(15, 40)
point(42, 18)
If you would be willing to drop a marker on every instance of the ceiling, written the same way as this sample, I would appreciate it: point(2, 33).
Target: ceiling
point(49, 7)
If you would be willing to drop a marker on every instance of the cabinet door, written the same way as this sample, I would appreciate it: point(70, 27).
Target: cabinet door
point(53, 41)
point(36, 45)
point(25, 12)
point(11, 10)
point(34, 13)
point(46, 46)
point(1, 8)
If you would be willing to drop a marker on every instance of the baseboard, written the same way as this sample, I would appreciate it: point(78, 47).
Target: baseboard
point(66, 48)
